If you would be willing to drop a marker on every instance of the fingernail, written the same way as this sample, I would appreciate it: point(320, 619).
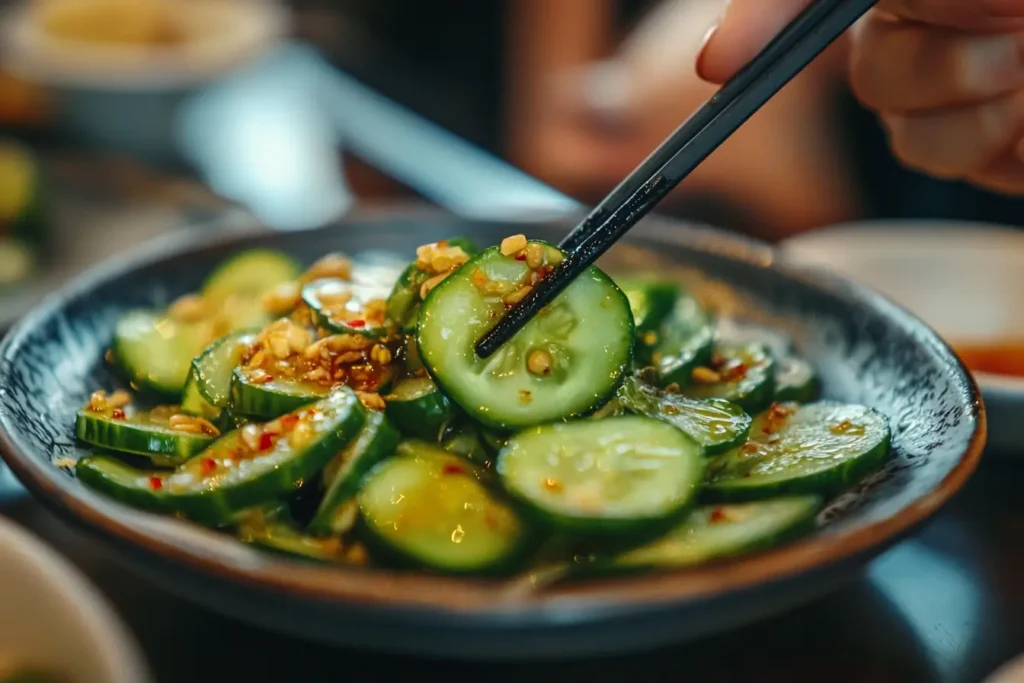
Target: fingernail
point(704, 46)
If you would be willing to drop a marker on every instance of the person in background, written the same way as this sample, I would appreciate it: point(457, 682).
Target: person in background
point(814, 155)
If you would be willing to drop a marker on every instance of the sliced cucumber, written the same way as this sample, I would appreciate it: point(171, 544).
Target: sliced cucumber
point(464, 440)
point(343, 474)
point(493, 440)
point(418, 408)
point(213, 369)
point(795, 380)
point(817, 448)
point(274, 530)
point(193, 403)
point(716, 531)
point(651, 302)
point(585, 335)
point(141, 433)
point(403, 305)
point(716, 424)
point(156, 352)
point(684, 341)
point(270, 399)
point(427, 507)
point(231, 475)
point(747, 377)
point(611, 476)
point(250, 275)
point(325, 297)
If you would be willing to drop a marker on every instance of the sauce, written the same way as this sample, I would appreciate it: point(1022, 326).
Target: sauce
point(997, 358)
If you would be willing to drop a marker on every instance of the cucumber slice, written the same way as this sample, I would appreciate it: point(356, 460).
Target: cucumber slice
point(412, 365)
point(273, 529)
point(231, 474)
point(795, 380)
point(747, 377)
point(586, 335)
point(716, 531)
point(493, 440)
point(156, 352)
point(464, 440)
point(193, 403)
point(271, 399)
point(418, 408)
point(212, 371)
point(614, 476)
point(817, 448)
point(343, 474)
point(403, 305)
point(427, 507)
point(250, 275)
point(684, 341)
point(345, 308)
point(651, 302)
point(716, 424)
point(142, 433)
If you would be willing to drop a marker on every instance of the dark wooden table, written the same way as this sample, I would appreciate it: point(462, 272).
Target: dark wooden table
point(945, 605)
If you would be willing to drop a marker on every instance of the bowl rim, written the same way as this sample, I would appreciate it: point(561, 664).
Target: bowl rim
point(488, 602)
point(113, 645)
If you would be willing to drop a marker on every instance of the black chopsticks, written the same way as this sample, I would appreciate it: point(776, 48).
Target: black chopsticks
point(801, 41)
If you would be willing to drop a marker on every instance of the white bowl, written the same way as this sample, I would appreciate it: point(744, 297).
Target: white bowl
point(963, 279)
point(53, 620)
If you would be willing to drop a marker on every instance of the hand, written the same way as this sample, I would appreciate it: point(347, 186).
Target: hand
point(945, 76)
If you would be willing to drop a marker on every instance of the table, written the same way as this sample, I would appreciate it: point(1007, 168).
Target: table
point(946, 605)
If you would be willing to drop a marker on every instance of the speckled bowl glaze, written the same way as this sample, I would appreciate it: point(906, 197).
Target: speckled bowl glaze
point(866, 348)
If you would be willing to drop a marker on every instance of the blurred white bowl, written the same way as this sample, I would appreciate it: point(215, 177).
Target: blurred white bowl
point(55, 622)
point(963, 279)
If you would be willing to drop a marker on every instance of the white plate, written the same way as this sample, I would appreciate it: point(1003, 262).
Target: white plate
point(963, 279)
point(54, 620)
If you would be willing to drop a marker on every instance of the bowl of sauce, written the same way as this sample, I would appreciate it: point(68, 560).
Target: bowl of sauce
point(963, 279)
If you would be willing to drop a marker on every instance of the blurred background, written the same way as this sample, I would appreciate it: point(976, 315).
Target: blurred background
point(123, 119)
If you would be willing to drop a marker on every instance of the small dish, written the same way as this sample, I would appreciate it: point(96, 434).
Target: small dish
point(963, 279)
point(53, 621)
point(866, 349)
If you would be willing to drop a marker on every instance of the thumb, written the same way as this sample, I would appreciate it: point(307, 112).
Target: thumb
point(743, 30)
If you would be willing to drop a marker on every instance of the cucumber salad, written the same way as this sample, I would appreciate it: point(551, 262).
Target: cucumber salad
point(342, 415)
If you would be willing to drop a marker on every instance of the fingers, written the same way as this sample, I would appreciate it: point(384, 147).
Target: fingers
point(900, 65)
point(957, 142)
point(964, 15)
point(744, 29)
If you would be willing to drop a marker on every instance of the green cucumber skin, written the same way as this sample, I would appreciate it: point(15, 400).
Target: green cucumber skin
point(799, 521)
point(685, 341)
point(310, 295)
point(597, 528)
point(235, 276)
point(651, 302)
point(273, 399)
point(828, 482)
point(193, 403)
point(465, 441)
point(272, 528)
point(213, 370)
point(403, 302)
point(163, 447)
point(388, 551)
point(421, 418)
point(484, 415)
point(641, 399)
point(377, 440)
point(754, 391)
point(217, 503)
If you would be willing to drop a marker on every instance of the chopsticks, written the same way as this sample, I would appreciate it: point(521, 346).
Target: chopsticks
point(801, 41)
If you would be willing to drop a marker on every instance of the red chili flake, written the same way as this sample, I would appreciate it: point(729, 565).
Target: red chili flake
point(209, 465)
point(118, 414)
point(156, 483)
point(356, 323)
point(266, 442)
point(521, 256)
point(267, 379)
point(717, 515)
point(545, 271)
point(452, 468)
point(289, 421)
